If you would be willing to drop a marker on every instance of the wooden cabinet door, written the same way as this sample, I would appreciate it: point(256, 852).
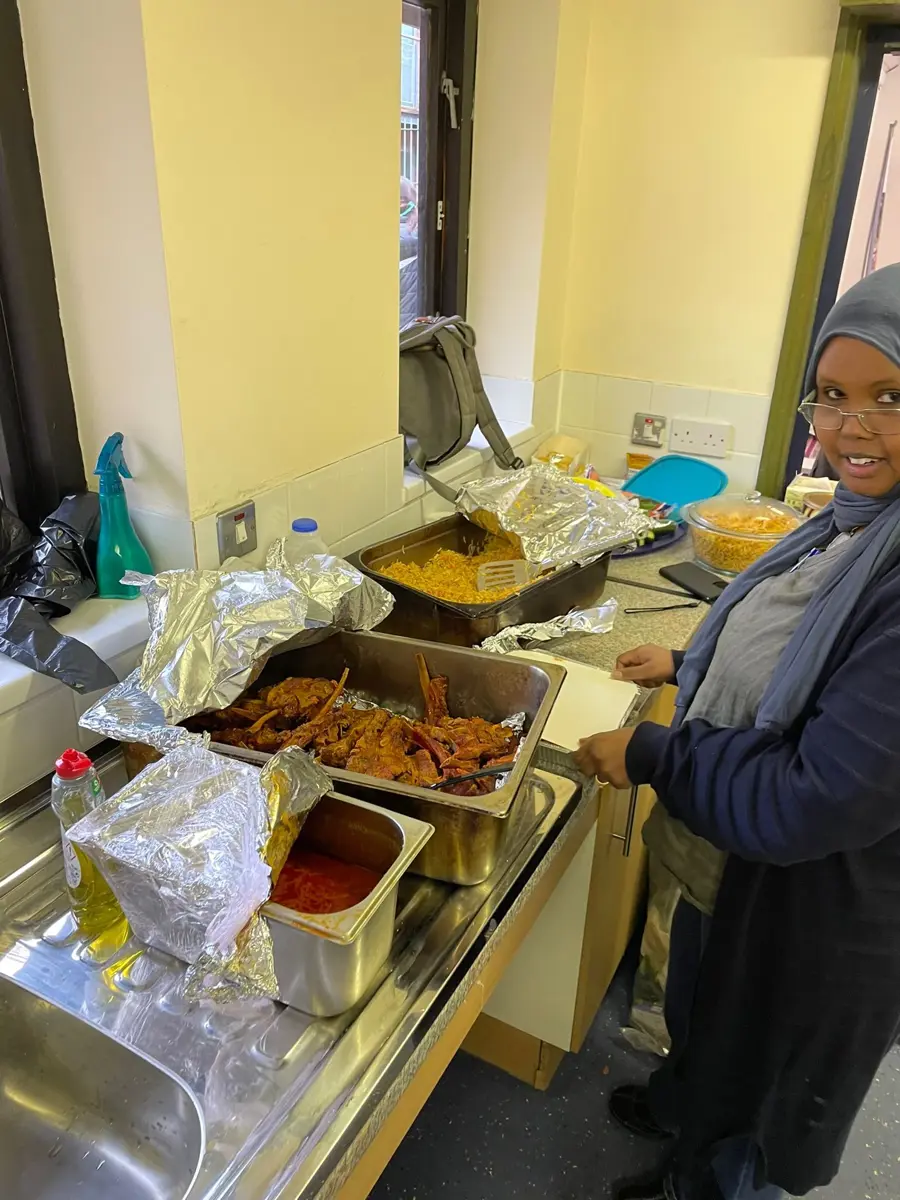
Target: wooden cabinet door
point(618, 883)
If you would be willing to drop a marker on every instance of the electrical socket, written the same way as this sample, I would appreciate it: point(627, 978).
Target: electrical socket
point(712, 439)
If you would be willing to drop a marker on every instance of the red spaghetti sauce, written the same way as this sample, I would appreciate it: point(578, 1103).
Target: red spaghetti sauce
point(316, 883)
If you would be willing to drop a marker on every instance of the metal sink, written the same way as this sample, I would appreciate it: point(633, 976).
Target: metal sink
point(115, 1084)
point(83, 1115)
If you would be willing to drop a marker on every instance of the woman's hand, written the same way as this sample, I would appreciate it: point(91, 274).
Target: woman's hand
point(603, 755)
point(650, 666)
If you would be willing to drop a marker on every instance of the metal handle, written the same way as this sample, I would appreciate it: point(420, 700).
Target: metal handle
point(627, 836)
point(451, 91)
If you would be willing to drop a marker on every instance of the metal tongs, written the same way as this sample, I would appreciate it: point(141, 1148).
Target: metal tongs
point(496, 769)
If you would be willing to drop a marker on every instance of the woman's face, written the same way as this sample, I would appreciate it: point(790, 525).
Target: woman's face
point(853, 375)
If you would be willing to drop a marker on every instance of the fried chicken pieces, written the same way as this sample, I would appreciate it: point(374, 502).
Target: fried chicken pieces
point(370, 741)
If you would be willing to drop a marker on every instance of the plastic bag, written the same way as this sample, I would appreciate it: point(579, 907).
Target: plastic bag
point(46, 577)
point(56, 575)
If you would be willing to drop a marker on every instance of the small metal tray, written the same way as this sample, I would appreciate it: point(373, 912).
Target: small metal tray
point(417, 614)
point(325, 963)
point(383, 669)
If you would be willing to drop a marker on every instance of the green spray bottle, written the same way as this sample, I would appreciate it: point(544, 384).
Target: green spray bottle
point(119, 548)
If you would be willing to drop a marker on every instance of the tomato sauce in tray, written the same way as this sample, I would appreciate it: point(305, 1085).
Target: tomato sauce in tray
point(316, 883)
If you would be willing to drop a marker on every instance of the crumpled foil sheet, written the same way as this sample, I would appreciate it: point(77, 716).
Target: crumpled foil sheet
point(191, 846)
point(127, 714)
point(211, 632)
point(556, 521)
point(589, 620)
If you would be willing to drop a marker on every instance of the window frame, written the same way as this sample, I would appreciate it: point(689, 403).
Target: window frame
point(40, 453)
point(448, 162)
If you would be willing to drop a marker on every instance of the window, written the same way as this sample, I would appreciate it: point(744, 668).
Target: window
point(437, 70)
point(40, 457)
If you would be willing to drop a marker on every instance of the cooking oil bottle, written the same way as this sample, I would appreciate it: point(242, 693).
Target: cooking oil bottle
point(74, 792)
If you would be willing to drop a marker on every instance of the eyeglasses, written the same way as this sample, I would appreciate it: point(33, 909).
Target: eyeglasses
point(885, 422)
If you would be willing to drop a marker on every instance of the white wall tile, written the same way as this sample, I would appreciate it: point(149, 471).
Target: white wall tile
point(393, 469)
point(319, 495)
point(169, 540)
point(617, 402)
point(742, 470)
point(511, 399)
point(577, 399)
point(546, 404)
point(435, 507)
point(608, 452)
point(747, 413)
point(409, 517)
point(670, 400)
point(206, 543)
point(364, 491)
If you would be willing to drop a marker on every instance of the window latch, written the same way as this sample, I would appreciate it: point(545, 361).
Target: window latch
point(451, 91)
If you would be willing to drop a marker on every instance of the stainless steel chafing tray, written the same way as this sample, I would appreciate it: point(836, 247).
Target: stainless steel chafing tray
point(470, 831)
point(419, 614)
point(325, 963)
point(383, 670)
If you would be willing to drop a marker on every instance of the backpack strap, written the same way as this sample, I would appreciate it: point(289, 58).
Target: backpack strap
point(417, 461)
point(457, 342)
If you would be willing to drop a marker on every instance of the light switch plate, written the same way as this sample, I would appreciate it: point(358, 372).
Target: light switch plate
point(648, 429)
point(237, 531)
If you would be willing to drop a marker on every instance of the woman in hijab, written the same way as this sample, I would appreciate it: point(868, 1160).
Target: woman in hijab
point(779, 812)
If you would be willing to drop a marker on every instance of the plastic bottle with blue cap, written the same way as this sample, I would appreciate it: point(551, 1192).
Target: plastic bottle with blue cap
point(119, 549)
point(303, 540)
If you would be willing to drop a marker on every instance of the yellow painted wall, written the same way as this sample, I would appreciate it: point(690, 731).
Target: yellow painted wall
point(88, 95)
point(562, 182)
point(277, 166)
point(514, 96)
point(699, 130)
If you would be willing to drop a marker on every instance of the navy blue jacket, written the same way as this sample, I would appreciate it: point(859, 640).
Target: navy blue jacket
point(798, 996)
point(832, 783)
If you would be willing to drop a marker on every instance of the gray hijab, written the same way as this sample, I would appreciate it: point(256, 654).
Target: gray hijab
point(869, 312)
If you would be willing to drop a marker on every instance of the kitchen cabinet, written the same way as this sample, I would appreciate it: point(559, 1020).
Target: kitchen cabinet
point(552, 989)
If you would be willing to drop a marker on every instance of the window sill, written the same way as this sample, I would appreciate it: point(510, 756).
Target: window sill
point(468, 461)
point(109, 627)
point(39, 715)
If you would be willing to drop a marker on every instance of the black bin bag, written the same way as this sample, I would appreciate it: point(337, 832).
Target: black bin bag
point(46, 576)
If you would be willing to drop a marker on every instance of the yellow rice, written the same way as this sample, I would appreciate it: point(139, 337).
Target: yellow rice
point(452, 576)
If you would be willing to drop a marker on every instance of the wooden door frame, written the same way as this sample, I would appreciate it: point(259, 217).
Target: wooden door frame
point(857, 17)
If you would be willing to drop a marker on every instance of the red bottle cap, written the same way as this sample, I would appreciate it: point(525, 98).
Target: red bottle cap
point(72, 764)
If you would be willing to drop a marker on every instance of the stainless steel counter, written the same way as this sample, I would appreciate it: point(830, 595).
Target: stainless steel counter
point(288, 1103)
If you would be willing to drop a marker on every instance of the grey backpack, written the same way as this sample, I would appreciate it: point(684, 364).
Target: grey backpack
point(442, 396)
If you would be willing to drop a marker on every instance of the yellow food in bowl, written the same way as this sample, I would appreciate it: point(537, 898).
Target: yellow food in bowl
point(733, 554)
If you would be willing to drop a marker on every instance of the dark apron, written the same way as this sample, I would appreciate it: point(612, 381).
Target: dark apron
point(797, 1003)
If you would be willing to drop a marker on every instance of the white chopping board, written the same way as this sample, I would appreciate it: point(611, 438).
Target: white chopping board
point(589, 701)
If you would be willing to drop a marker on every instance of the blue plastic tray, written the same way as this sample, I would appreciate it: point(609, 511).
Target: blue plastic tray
point(678, 480)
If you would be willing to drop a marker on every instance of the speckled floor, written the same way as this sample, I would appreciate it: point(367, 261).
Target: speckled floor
point(484, 1136)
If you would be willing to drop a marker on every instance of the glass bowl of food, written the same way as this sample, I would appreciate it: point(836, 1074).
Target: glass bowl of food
point(731, 532)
